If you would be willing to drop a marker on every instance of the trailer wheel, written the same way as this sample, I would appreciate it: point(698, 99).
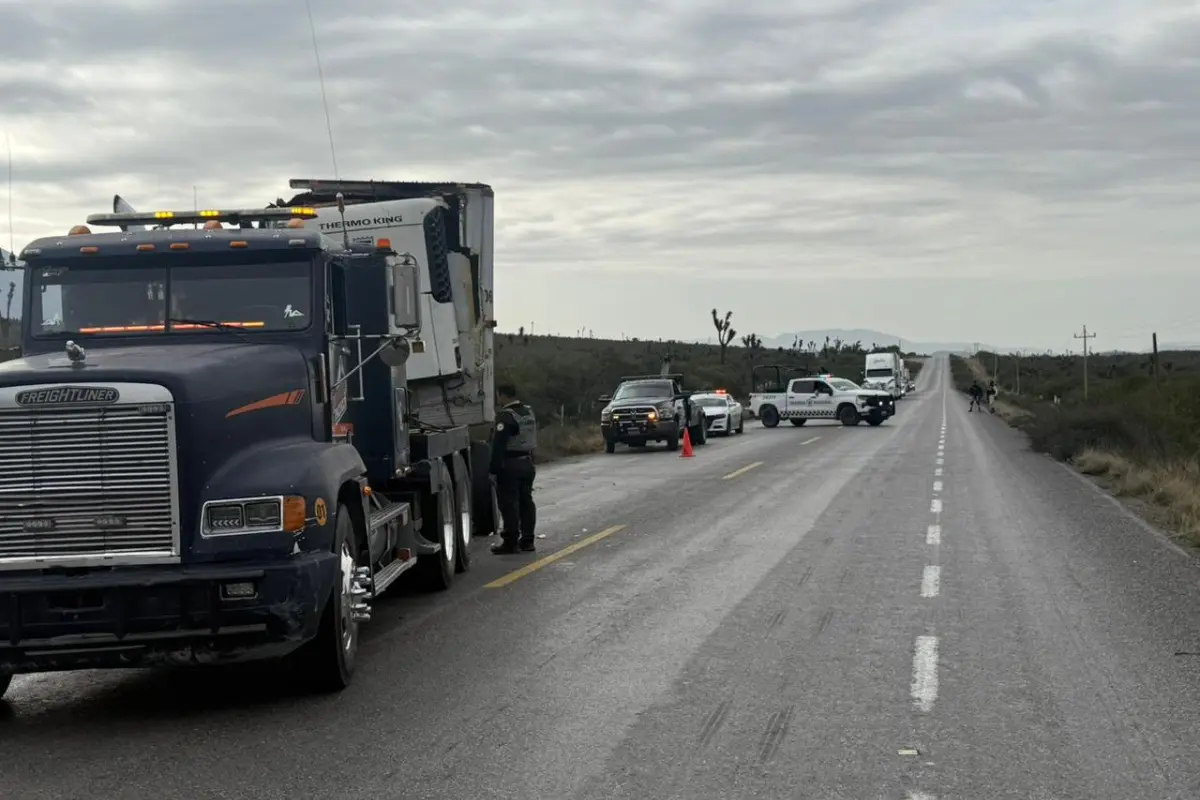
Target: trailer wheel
point(5, 682)
point(437, 571)
point(327, 661)
point(465, 520)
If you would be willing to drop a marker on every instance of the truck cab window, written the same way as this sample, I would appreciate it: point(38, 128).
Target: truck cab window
point(119, 299)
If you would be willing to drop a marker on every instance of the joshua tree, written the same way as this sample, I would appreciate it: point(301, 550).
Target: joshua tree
point(725, 331)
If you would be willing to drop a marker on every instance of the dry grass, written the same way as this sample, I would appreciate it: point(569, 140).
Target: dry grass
point(1172, 490)
point(571, 439)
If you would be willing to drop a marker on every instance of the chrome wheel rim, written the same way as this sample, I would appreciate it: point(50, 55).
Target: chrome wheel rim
point(346, 601)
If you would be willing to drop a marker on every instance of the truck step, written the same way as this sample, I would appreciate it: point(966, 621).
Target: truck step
point(389, 512)
point(388, 575)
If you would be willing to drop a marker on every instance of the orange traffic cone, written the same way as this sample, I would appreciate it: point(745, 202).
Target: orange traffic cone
point(687, 445)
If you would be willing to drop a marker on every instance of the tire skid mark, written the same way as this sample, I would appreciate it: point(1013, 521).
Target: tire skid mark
point(777, 729)
point(714, 721)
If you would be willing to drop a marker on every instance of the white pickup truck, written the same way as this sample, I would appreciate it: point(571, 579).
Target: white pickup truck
point(822, 397)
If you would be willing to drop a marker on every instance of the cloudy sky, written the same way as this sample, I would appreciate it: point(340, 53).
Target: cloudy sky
point(996, 170)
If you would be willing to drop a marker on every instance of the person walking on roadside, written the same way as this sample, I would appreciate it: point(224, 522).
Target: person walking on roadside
point(976, 393)
point(513, 445)
point(992, 391)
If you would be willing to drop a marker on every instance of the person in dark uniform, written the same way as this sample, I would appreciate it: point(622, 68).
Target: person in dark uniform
point(513, 444)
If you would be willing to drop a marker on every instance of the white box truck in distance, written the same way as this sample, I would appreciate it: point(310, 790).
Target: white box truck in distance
point(884, 371)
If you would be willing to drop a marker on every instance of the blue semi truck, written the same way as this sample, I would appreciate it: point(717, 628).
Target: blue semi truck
point(213, 449)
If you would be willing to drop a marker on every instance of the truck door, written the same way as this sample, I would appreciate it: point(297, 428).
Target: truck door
point(800, 398)
point(822, 400)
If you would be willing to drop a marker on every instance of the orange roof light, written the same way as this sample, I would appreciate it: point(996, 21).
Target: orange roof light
point(213, 225)
point(179, 245)
point(79, 230)
point(722, 391)
point(383, 244)
point(295, 222)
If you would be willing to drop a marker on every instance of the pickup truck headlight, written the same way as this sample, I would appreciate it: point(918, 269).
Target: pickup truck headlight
point(253, 515)
point(666, 409)
point(606, 415)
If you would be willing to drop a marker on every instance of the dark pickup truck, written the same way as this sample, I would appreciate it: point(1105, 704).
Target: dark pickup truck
point(652, 408)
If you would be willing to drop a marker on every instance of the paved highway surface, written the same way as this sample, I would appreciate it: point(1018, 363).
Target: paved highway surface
point(920, 610)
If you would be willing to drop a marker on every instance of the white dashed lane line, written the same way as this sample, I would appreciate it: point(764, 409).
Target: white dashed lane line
point(931, 582)
point(933, 536)
point(925, 673)
point(935, 506)
point(937, 486)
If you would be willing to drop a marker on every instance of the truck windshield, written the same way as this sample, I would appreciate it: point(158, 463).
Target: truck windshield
point(879, 373)
point(629, 391)
point(104, 300)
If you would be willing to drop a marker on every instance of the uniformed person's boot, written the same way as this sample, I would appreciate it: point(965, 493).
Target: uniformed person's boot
point(527, 545)
point(505, 547)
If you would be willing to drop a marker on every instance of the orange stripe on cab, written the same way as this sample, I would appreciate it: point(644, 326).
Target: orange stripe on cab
point(291, 398)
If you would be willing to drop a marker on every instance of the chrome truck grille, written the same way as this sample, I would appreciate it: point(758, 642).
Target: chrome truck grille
point(88, 476)
point(637, 413)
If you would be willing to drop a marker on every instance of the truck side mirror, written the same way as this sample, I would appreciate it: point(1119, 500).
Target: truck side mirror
point(604, 398)
point(406, 289)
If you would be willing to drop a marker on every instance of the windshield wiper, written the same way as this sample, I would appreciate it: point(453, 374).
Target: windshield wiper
point(206, 323)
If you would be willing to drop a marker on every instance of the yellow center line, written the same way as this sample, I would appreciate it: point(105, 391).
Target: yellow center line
point(516, 575)
point(742, 471)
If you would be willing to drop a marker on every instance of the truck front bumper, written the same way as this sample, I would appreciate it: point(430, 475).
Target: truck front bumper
point(162, 615)
point(639, 431)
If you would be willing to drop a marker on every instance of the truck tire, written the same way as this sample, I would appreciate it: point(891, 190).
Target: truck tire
point(327, 661)
point(5, 682)
point(741, 428)
point(769, 416)
point(436, 572)
point(797, 422)
point(464, 521)
point(847, 415)
point(673, 441)
point(700, 434)
point(610, 446)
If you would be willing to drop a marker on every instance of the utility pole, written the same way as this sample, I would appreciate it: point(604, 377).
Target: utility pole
point(1085, 336)
point(1017, 365)
point(996, 367)
point(1154, 361)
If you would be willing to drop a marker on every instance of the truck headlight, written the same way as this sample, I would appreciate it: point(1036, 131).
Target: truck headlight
point(253, 515)
point(606, 416)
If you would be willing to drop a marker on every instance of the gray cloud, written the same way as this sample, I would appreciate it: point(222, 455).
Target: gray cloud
point(753, 143)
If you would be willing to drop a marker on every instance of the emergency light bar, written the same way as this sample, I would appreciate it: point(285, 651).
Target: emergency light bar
point(165, 218)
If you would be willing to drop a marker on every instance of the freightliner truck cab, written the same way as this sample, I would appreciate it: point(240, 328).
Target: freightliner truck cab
point(183, 476)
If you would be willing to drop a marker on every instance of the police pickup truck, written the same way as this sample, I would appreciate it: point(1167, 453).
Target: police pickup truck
point(822, 397)
point(651, 408)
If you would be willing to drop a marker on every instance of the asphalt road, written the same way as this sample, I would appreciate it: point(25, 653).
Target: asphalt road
point(812, 612)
